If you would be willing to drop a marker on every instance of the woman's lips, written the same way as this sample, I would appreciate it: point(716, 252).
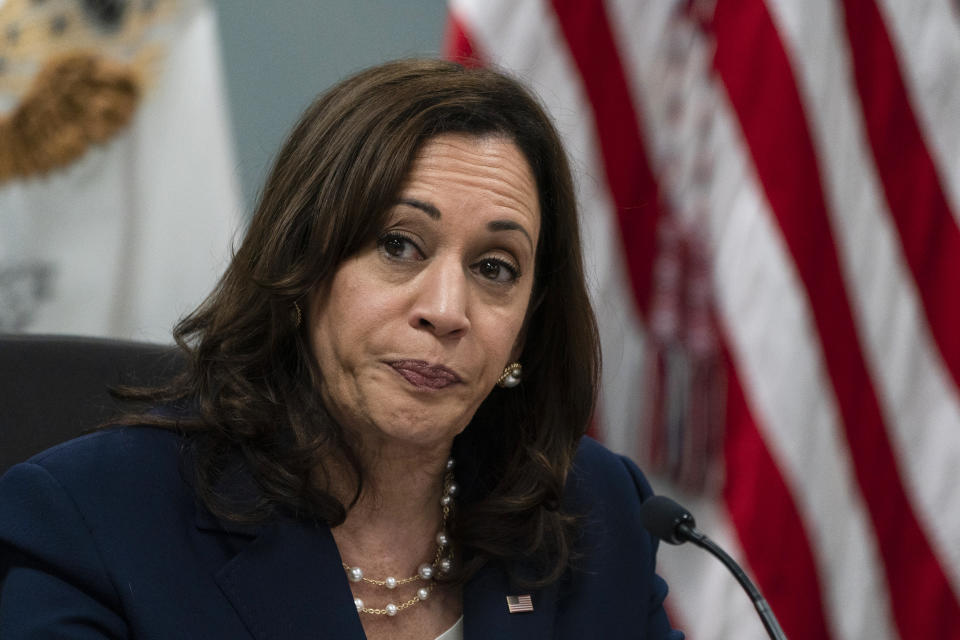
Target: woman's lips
point(425, 375)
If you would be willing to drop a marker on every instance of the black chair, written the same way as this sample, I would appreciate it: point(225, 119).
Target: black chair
point(53, 388)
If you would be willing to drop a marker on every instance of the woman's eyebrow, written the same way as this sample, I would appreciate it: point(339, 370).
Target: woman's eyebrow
point(493, 225)
point(426, 207)
point(509, 225)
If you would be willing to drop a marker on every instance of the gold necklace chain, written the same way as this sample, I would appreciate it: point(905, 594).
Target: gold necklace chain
point(398, 607)
point(426, 572)
point(389, 583)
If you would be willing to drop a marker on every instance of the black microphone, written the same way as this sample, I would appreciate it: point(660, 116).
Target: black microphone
point(670, 522)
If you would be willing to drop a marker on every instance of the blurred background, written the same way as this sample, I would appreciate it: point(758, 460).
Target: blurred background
point(277, 58)
point(770, 199)
point(136, 136)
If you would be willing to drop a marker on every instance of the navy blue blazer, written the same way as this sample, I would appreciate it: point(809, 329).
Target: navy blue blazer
point(100, 537)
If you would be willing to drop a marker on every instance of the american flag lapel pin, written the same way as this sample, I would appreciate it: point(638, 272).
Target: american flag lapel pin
point(520, 604)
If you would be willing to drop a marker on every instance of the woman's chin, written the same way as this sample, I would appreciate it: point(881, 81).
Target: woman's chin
point(418, 429)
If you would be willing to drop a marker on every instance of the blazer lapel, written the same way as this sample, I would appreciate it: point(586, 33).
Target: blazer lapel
point(486, 615)
point(288, 583)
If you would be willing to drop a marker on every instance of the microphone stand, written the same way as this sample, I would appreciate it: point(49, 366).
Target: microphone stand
point(759, 602)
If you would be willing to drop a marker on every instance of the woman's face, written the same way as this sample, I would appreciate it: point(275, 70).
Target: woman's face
point(415, 329)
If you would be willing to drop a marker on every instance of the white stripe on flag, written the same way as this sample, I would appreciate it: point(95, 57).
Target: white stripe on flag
point(926, 36)
point(915, 388)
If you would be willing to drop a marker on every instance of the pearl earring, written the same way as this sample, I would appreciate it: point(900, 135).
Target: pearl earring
point(510, 376)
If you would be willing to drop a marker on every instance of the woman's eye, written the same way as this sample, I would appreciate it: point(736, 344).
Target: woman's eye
point(398, 246)
point(497, 270)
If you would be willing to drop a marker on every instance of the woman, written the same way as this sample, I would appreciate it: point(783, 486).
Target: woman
point(379, 430)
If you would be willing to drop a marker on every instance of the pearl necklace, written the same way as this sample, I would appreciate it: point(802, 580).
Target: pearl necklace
point(442, 560)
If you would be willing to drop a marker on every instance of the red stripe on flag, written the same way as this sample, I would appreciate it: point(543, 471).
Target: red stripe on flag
point(763, 511)
point(458, 45)
point(631, 182)
point(928, 231)
point(754, 67)
point(632, 185)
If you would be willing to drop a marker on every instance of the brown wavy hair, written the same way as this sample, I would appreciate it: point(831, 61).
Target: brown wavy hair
point(249, 399)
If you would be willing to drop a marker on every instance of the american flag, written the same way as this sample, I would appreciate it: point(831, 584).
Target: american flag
point(520, 604)
point(770, 196)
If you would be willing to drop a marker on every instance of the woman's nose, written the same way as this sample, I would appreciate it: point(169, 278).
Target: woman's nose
point(441, 300)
